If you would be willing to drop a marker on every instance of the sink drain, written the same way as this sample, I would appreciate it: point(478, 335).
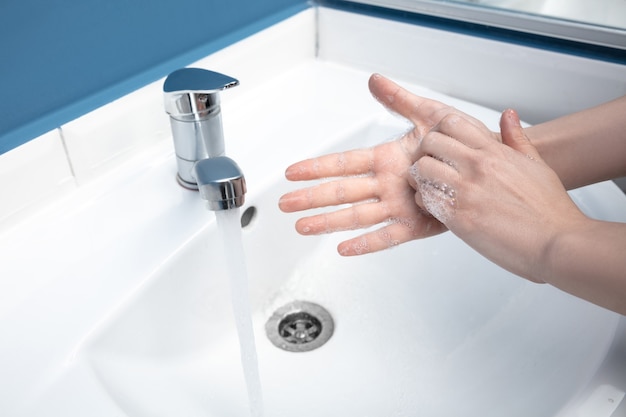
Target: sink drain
point(299, 326)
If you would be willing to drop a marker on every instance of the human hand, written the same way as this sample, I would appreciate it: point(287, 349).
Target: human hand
point(375, 182)
point(500, 198)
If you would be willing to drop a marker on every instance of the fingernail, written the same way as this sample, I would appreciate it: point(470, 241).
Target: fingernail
point(287, 197)
point(512, 115)
point(292, 171)
point(283, 202)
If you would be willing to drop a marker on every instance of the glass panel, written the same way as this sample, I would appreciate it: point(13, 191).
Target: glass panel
point(611, 13)
point(598, 22)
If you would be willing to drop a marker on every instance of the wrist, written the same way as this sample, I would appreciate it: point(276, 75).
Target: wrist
point(586, 260)
point(564, 248)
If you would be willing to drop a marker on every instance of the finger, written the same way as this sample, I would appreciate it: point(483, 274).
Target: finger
point(467, 130)
point(513, 135)
point(349, 190)
point(394, 234)
point(355, 217)
point(423, 112)
point(445, 149)
point(436, 187)
point(356, 162)
point(432, 170)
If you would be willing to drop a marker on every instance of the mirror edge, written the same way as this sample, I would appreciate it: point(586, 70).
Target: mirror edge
point(534, 24)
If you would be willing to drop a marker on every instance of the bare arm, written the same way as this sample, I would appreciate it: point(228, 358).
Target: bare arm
point(588, 261)
point(585, 147)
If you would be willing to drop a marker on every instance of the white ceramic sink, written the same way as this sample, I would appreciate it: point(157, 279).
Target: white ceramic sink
point(428, 328)
point(120, 304)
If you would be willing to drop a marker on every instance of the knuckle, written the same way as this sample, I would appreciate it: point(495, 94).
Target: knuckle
point(427, 141)
point(449, 121)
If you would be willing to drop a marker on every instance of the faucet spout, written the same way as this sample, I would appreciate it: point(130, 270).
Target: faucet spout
point(220, 182)
point(192, 101)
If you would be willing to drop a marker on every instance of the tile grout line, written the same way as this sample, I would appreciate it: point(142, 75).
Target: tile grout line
point(67, 154)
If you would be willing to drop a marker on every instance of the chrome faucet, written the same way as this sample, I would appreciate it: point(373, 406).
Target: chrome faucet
point(192, 100)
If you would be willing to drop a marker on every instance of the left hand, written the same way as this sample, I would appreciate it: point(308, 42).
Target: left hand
point(375, 182)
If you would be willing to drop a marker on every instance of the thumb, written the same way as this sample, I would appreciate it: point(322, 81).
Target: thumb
point(513, 135)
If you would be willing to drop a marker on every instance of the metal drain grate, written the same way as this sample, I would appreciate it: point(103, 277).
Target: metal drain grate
point(299, 326)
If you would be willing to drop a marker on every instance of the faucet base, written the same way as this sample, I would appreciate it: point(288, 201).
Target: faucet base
point(192, 186)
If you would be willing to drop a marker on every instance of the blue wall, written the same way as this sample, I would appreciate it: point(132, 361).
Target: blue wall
point(62, 58)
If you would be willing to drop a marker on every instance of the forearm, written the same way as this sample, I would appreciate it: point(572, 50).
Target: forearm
point(585, 147)
point(588, 261)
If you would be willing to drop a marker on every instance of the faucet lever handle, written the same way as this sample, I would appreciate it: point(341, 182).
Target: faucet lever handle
point(198, 80)
point(193, 93)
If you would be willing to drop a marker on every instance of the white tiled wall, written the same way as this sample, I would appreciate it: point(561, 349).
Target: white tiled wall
point(32, 175)
point(102, 139)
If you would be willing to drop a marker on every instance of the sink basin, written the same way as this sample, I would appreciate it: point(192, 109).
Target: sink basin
point(119, 300)
point(427, 328)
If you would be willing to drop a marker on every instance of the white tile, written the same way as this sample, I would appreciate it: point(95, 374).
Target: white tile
point(101, 140)
point(105, 138)
point(31, 176)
